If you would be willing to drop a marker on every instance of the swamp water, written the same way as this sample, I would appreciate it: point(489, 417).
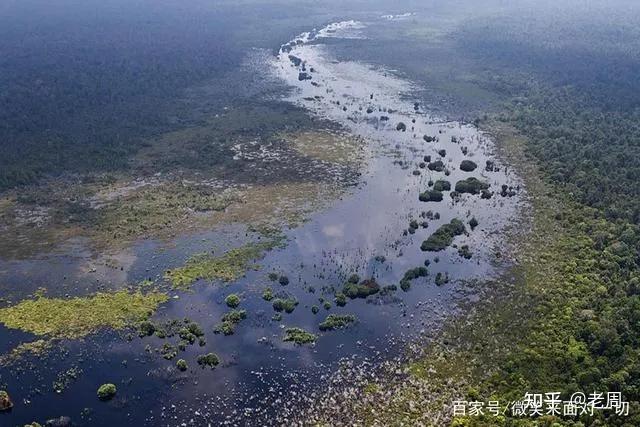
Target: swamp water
point(366, 232)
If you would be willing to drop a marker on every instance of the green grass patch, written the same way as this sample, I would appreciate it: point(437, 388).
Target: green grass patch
point(228, 267)
point(77, 317)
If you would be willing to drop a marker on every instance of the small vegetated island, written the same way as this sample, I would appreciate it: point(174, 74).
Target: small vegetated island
point(443, 236)
point(72, 318)
point(354, 288)
point(210, 360)
point(288, 305)
point(442, 185)
point(431, 196)
point(468, 166)
point(229, 322)
point(337, 321)
point(107, 391)
point(471, 185)
point(232, 301)
point(228, 267)
point(409, 275)
point(299, 336)
point(436, 166)
point(5, 401)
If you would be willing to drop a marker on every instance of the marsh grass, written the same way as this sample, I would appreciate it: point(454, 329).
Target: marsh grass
point(228, 267)
point(80, 316)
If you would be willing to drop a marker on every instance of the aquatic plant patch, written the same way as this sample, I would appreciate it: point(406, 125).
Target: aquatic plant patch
point(443, 236)
point(80, 316)
point(361, 290)
point(409, 275)
point(228, 267)
point(471, 185)
point(298, 336)
point(337, 321)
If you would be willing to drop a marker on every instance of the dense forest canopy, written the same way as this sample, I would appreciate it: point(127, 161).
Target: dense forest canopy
point(581, 109)
point(83, 82)
point(86, 79)
point(571, 85)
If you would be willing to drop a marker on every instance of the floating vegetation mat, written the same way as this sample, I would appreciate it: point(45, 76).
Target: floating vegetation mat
point(228, 267)
point(81, 316)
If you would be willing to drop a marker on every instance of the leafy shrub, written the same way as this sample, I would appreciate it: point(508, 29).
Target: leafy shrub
point(232, 301)
point(443, 236)
point(471, 185)
point(468, 166)
point(465, 252)
point(107, 391)
point(442, 185)
point(436, 166)
point(298, 336)
point(430, 196)
point(361, 290)
point(210, 359)
point(473, 223)
point(341, 299)
point(337, 321)
point(285, 304)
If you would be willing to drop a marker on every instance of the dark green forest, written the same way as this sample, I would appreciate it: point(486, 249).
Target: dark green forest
point(82, 89)
point(576, 103)
point(579, 109)
point(85, 84)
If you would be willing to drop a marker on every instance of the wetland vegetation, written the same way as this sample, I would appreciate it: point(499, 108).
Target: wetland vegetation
point(471, 185)
point(179, 147)
point(355, 289)
point(298, 336)
point(79, 316)
point(227, 267)
point(443, 236)
point(288, 305)
point(564, 319)
point(210, 360)
point(336, 321)
point(106, 391)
